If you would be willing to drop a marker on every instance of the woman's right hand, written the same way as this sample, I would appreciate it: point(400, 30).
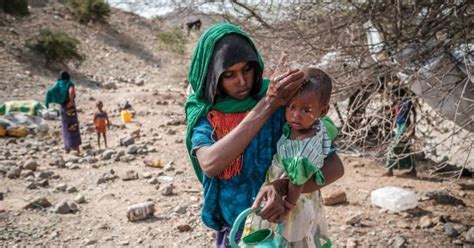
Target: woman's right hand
point(283, 87)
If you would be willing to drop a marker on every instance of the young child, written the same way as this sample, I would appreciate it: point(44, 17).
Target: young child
point(101, 122)
point(300, 154)
point(305, 143)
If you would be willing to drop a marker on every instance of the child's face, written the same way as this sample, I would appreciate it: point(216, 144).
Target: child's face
point(303, 110)
point(100, 105)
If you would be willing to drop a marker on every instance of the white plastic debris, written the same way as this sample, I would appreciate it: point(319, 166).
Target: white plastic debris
point(394, 199)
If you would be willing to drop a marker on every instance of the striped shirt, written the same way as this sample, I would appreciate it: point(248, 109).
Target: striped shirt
point(314, 149)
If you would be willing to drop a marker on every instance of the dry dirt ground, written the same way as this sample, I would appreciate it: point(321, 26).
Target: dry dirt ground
point(126, 53)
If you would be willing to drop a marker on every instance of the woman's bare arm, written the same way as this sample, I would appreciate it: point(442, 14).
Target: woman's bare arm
point(215, 158)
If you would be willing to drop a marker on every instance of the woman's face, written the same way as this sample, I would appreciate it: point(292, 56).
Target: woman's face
point(237, 81)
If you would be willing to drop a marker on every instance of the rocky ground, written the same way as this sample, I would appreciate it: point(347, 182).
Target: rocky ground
point(49, 198)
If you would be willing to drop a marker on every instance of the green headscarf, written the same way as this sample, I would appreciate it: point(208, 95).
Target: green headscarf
point(59, 92)
point(197, 105)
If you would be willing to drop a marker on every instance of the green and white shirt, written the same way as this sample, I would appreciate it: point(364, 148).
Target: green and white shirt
point(301, 159)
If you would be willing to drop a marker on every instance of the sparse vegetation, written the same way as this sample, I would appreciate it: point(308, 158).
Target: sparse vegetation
point(172, 41)
point(56, 46)
point(89, 10)
point(15, 7)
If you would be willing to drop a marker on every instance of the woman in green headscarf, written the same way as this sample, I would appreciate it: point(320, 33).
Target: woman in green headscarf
point(63, 93)
point(234, 120)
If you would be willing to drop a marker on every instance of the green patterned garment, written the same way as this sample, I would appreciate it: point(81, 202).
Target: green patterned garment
point(302, 159)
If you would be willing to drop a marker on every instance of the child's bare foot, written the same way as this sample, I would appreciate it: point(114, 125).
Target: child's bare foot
point(388, 173)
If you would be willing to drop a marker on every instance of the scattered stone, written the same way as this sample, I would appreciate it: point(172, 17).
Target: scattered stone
point(458, 242)
point(146, 175)
point(1, 196)
point(334, 198)
point(87, 146)
point(426, 222)
point(397, 242)
point(127, 158)
point(356, 219)
point(176, 122)
point(109, 85)
point(14, 173)
point(87, 242)
point(450, 230)
point(165, 179)
point(169, 166)
point(74, 167)
point(171, 132)
point(180, 209)
point(40, 202)
point(351, 243)
point(26, 173)
point(45, 174)
point(73, 207)
point(43, 183)
point(79, 199)
point(167, 190)
point(403, 225)
point(469, 235)
point(61, 187)
point(30, 165)
point(153, 181)
point(444, 197)
point(101, 180)
point(126, 141)
point(71, 189)
point(91, 160)
point(62, 208)
point(107, 154)
point(31, 185)
point(132, 149)
point(130, 175)
point(184, 227)
point(462, 194)
point(58, 162)
point(72, 159)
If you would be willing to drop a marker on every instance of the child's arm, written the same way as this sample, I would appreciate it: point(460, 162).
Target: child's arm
point(108, 121)
point(95, 117)
point(294, 192)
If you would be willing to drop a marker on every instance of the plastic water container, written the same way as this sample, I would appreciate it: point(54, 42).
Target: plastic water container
point(394, 199)
point(141, 211)
point(126, 116)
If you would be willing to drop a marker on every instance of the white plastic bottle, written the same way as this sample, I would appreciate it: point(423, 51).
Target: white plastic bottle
point(141, 211)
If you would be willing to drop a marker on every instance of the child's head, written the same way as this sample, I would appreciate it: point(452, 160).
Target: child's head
point(312, 100)
point(100, 105)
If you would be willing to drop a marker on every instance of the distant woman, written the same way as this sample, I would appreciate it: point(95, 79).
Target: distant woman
point(63, 93)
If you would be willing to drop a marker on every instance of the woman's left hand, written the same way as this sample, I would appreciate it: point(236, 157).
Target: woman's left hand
point(274, 208)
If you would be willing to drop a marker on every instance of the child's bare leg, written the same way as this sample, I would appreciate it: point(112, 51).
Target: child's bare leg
point(388, 172)
point(294, 192)
point(98, 139)
point(105, 139)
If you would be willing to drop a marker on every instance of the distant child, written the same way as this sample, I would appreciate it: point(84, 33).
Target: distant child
point(305, 143)
point(101, 122)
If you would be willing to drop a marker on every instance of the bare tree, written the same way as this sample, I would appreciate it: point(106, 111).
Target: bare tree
point(425, 47)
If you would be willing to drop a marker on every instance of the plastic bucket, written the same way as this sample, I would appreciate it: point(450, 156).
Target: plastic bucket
point(126, 116)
